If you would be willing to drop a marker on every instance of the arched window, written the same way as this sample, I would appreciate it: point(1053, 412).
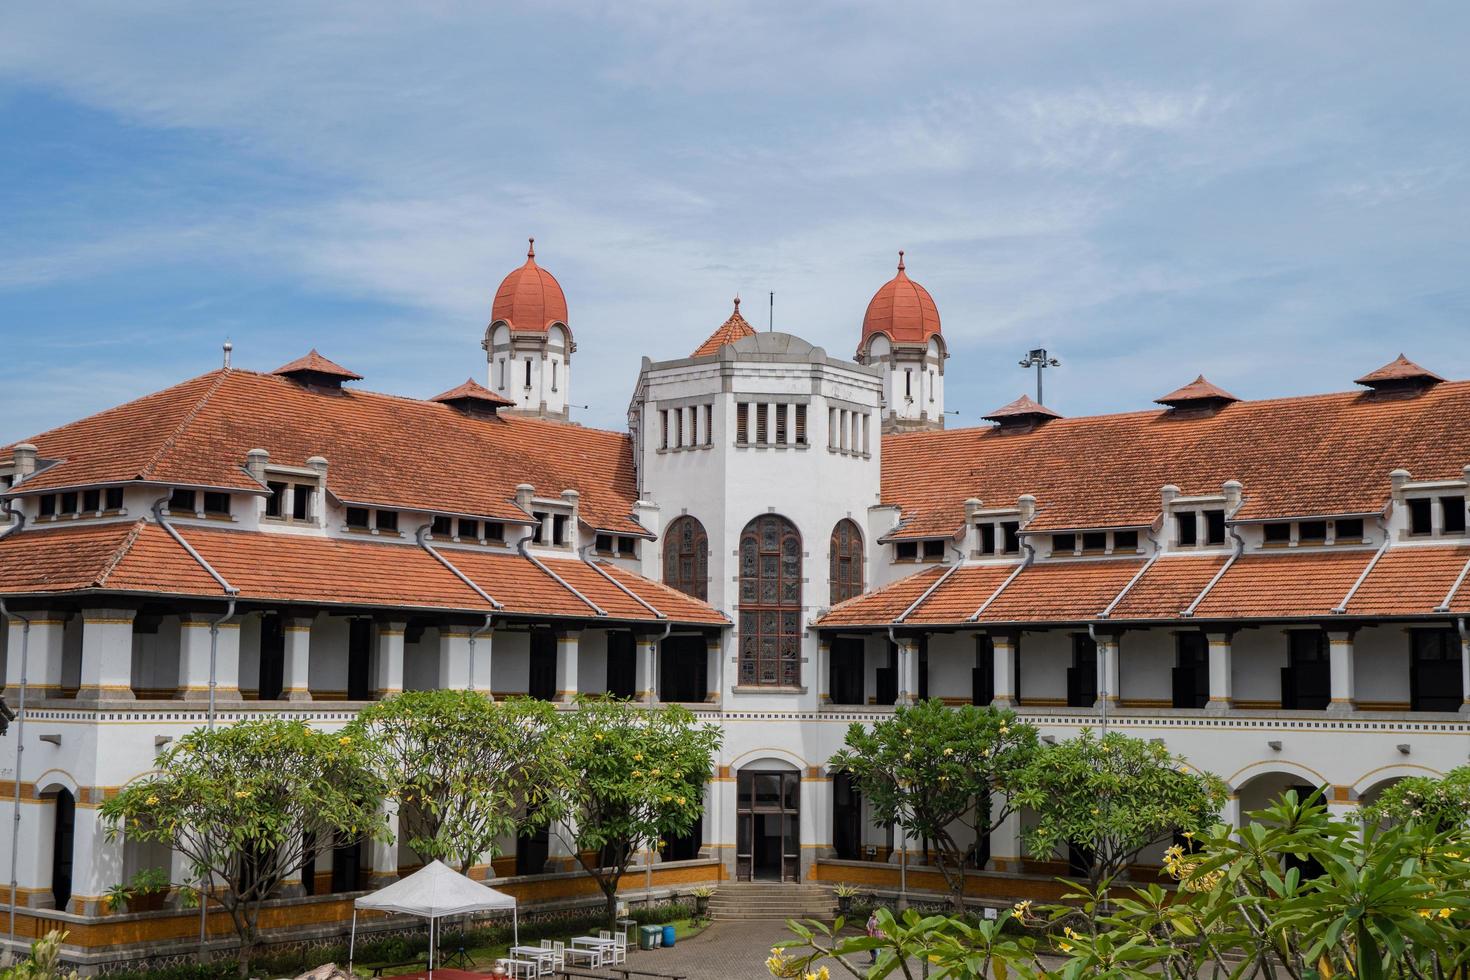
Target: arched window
point(846, 555)
point(770, 603)
point(686, 557)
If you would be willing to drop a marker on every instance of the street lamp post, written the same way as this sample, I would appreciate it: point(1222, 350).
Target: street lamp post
point(1040, 360)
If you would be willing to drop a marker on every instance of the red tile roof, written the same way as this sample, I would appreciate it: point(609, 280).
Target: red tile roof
point(1022, 408)
point(881, 606)
point(471, 391)
point(1168, 587)
point(728, 332)
point(1063, 591)
point(140, 557)
point(1285, 586)
point(1410, 580)
point(381, 449)
point(1198, 390)
point(1316, 455)
point(1398, 369)
point(314, 363)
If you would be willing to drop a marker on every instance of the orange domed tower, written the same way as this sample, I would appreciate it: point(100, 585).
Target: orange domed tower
point(901, 332)
point(528, 343)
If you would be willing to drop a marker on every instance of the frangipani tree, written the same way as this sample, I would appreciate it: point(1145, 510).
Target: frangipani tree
point(1115, 796)
point(931, 768)
point(465, 771)
point(250, 805)
point(632, 775)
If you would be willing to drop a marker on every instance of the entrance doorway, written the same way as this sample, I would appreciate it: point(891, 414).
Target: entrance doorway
point(63, 841)
point(768, 820)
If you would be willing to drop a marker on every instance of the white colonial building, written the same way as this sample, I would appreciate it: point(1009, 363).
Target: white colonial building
point(785, 540)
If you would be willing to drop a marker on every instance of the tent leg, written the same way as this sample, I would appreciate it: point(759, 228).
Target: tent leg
point(352, 943)
point(515, 924)
point(431, 947)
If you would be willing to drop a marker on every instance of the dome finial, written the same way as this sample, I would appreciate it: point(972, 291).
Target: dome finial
point(531, 248)
point(737, 302)
point(900, 260)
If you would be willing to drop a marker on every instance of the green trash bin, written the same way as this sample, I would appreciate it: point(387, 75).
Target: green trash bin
point(649, 936)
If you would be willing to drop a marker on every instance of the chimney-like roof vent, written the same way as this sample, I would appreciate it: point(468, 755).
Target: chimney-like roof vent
point(1400, 377)
point(472, 398)
point(1022, 414)
point(1199, 397)
point(315, 370)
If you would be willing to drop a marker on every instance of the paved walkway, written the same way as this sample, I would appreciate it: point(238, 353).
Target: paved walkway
point(732, 950)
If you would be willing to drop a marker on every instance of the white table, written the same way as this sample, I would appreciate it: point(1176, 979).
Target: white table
point(595, 945)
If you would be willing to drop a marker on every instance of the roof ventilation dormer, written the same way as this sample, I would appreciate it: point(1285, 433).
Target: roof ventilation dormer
point(316, 371)
point(473, 398)
point(1021, 415)
point(1197, 399)
point(1399, 378)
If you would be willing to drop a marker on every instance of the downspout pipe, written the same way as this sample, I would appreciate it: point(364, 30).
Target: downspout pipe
point(1102, 694)
point(1235, 554)
point(7, 614)
point(525, 553)
point(231, 592)
point(582, 553)
point(1025, 564)
point(1341, 607)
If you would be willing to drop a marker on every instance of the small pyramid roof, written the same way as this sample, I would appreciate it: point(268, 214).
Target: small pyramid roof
point(471, 391)
point(733, 329)
point(314, 363)
point(1399, 369)
point(434, 891)
point(1198, 390)
point(1023, 407)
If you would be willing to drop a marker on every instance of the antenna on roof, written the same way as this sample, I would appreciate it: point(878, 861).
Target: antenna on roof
point(228, 347)
point(771, 315)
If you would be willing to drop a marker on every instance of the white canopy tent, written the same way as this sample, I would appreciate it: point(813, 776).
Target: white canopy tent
point(433, 892)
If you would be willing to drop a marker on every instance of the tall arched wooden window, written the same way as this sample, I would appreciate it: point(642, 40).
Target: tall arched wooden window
point(770, 603)
point(686, 557)
point(846, 556)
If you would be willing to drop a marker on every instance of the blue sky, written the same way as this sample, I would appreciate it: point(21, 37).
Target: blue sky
point(1273, 193)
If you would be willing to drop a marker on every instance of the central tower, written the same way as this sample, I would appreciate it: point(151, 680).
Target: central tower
point(901, 335)
point(528, 343)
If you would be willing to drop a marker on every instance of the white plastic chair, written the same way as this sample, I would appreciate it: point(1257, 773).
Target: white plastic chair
point(620, 947)
point(559, 961)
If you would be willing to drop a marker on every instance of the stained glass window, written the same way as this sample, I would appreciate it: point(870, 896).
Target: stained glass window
point(770, 603)
point(686, 557)
point(846, 556)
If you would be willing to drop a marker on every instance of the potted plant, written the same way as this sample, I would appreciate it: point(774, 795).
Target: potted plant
point(701, 899)
point(845, 894)
point(118, 897)
point(148, 890)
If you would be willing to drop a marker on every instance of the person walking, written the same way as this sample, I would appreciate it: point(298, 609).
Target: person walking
point(874, 932)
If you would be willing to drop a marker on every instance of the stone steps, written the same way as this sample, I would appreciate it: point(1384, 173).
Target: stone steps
point(772, 900)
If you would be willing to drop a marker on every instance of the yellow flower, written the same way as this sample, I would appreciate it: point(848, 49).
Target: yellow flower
point(668, 799)
point(948, 750)
point(908, 731)
point(637, 773)
point(637, 756)
point(1005, 729)
point(1069, 932)
point(680, 801)
point(653, 772)
point(1425, 913)
point(1444, 913)
point(1065, 947)
point(907, 756)
point(345, 740)
point(597, 735)
point(241, 794)
point(152, 801)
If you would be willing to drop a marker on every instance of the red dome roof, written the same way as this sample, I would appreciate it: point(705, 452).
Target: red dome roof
point(529, 298)
point(903, 310)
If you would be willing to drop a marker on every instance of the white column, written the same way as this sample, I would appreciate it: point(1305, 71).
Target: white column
point(390, 659)
point(1230, 812)
point(1221, 699)
point(714, 674)
point(908, 688)
point(107, 655)
point(97, 863)
point(43, 656)
point(1340, 663)
point(481, 646)
point(1464, 673)
point(454, 658)
point(1005, 844)
point(194, 639)
point(385, 854)
point(567, 654)
point(824, 671)
point(1107, 670)
point(296, 685)
point(645, 680)
point(1003, 646)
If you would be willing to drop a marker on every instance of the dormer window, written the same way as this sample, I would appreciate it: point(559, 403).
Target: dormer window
point(359, 518)
point(1094, 542)
point(1349, 530)
point(1200, 528)
point(387, 520)
point(1421, 510)
point(441, 526)
point(217, 504)
point(181, 501)
point(1452, 510)
point(539, 535)
point(112, 498)
point(1277, 534)
point(1063, 544)
point(559, 528)
point(1436, 515)
point(1214, 527)
point(46, 506)
point(1125, 541)
point(468, 530)
point(618, 545)
point(1311, 532)
point(906, 551)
